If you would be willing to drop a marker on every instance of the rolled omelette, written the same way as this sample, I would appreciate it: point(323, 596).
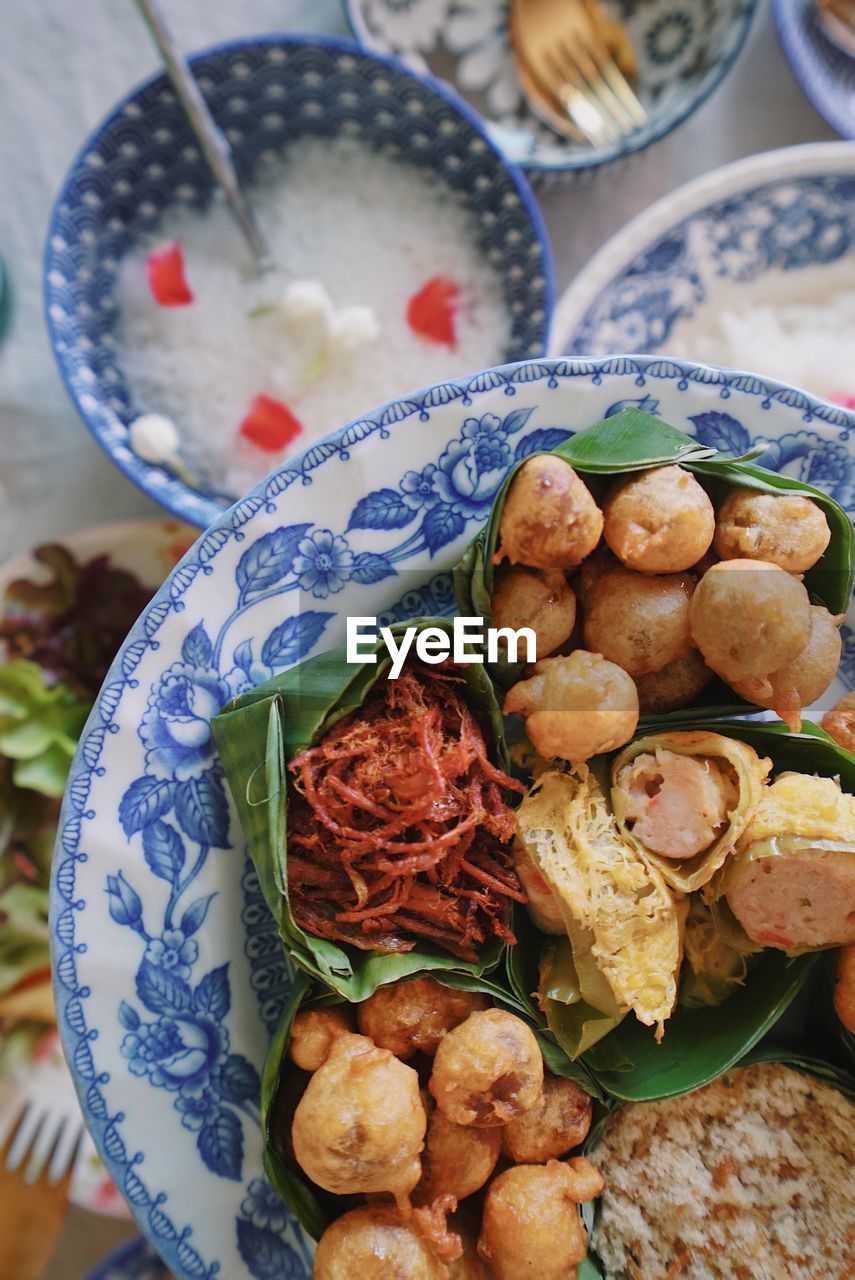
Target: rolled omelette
point(684, 799)
point(792, 882)
point(624, 924)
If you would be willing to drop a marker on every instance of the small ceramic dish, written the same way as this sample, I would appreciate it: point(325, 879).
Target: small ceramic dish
point(685, 48)
point(143, 161)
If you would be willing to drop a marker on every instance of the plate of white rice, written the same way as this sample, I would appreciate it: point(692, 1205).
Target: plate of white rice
point(751, 267)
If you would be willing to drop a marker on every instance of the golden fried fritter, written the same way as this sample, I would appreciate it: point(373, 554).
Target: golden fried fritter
point(532, 1226)
point(550, 520)
point(839, 722)
point(313, 1032)
point(457, 1159)
point(541, 599)
point(374, 1243)
point(487, 1070)
point(639, 622)
point(787, 529)
point(360, 1125)
point(804, 679)
point(659, 521)
point(749, 617)
point(576, 706)
point(555, 1125)
point(677, 685)
point(413, 1016)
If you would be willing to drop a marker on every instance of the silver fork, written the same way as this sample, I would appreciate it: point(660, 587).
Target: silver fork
point(44, 1124)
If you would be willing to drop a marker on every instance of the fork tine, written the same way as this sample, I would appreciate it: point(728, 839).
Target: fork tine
point(44, 1146)
point(589, 68)
point(27, 1130)
point(616, 82)
point(65, 1152)
point(581, 101)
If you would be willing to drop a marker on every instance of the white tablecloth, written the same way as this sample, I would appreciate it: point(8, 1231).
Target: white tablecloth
point(66, 62)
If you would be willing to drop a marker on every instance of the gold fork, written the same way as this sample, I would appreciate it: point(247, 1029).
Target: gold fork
point(575, 64)
point(32, 1208)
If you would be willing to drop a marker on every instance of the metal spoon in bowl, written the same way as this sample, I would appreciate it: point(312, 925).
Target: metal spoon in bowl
point(215, 148)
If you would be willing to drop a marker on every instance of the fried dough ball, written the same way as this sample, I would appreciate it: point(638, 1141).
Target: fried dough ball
point(844, 987)
point(555, 1125)
point(749, 617)
point(412, 1017)
point(458, 1159)
point(550, 520)
point(676, 685)
point(659, 521)
point(538, 598)
point(639, 622)
point(542, 903)
point(487, 1070)
point(313, 1032)
point(839, 722)
point(373, 1243)
point(576, 706)
point(804, 679)
point(532, 1226)
point(786, 529)
point(360, 1125)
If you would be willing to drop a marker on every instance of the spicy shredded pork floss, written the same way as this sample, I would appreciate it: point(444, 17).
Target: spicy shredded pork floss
point(398, 825)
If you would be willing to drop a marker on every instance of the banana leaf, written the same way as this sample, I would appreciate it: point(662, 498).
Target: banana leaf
point(635, 441)
point(258, 734)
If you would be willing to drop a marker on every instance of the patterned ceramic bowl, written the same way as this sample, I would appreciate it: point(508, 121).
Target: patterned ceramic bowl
point(168, 974)
point(265, 93)
point(825, 73)
point(773, 228)
point(685, 48)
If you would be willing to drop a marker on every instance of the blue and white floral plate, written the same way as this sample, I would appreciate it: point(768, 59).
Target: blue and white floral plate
point(168, 974)
point(685, 48)
point(769, 229)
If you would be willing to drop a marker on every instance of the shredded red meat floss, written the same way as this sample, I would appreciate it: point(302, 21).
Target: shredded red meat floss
point(398, 826)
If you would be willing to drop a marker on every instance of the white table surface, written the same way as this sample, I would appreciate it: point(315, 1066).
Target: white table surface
point(67, 61)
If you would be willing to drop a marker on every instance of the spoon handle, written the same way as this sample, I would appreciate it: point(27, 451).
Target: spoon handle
point(215, 148)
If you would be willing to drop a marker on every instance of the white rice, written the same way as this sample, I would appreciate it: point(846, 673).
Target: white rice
point(373, 231)
point(809, 344)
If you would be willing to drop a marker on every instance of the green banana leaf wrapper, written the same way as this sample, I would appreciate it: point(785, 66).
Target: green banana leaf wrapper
point(258, 734)
point(703, 1041)
point(635, 441)
point(282, 1085)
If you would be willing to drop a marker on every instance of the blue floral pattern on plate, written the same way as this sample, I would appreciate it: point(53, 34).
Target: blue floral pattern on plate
point(781, 226)
point(168, 974)
point(264, 93)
